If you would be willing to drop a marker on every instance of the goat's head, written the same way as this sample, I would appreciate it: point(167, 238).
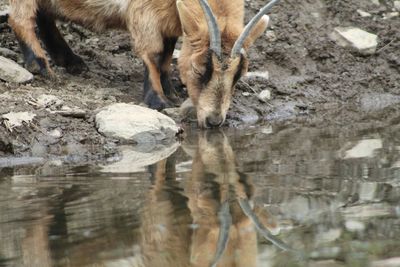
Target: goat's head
point(213, 60)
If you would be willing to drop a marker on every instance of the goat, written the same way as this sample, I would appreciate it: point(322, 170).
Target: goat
point(211, 62)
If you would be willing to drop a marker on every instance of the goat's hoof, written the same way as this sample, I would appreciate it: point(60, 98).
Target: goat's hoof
point(76, 65)
point(174, 100)
point(154, 101)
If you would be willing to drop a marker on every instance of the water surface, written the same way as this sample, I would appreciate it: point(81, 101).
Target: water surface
point(265, 196)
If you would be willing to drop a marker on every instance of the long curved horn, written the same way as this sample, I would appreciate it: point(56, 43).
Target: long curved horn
point(225, 220)
point(215, 34)
point(244, 204)
point(246, 31)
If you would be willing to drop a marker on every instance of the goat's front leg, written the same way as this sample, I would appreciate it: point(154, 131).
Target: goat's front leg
point(165, 67)
point(153, 91)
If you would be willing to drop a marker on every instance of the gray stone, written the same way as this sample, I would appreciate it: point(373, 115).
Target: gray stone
point(264, 95)
point(367, 211)
point(354, 226)
point(136, 123)
point(364, 149)
point(271, 36)
point(375, 2)
point(255, 75)
point(391, 262)
point(5, 52)
point(173, 113)
point(396, 5)
point(56, 133)
point(10, 71)
point(188, 110)
point(363, 13)
point(361, 40)
point(391, 15)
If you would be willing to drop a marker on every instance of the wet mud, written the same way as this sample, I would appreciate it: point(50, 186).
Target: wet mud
point(312, 80)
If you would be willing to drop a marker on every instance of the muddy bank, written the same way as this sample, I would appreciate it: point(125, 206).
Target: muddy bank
point(312, 80)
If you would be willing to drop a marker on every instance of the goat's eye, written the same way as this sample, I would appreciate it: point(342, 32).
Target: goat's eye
point(196, 71)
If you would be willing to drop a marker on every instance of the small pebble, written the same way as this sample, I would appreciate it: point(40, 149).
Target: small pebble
point(363, 13)
point(264, 95)
point(55, 133)
point(391, 15)
point(354, 226)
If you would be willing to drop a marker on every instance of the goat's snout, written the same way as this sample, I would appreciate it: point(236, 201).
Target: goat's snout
point(214, 120)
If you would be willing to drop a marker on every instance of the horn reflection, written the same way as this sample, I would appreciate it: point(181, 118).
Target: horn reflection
point(214, 201)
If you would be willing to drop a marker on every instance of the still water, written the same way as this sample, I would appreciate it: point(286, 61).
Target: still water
point(266, 196)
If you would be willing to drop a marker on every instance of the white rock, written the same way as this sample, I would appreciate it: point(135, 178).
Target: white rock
point(271, 36)
point(363, 41)
point(16, 119)
point(375, 2)
point(55, 133)
point(391, 262)
point(354, 226)
point(173, 113)
point(368, 191)
point(264, 95)
point(364, 149)
point(257, 74)
point(367, 211)
point(246, 94)
point(363, 13)
point(10, 71)
point(396, 5)
point(267, 130)
point(391, 15)
point(328, 236)
point(132, 122)
point(134, 160)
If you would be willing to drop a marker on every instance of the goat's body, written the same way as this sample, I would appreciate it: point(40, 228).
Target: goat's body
point(100, 15)
point(153, 24)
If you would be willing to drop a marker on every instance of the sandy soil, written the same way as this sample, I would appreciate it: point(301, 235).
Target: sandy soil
point(312, 79)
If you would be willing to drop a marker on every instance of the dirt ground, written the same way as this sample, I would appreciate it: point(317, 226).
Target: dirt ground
point(312, 79)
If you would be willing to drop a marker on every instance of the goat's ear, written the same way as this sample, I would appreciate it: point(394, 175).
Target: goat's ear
point(188, 19)
point(259, 29)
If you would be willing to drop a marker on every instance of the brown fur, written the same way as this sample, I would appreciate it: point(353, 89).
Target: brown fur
point(150, 22)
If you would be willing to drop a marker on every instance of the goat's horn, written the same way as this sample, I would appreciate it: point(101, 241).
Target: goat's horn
point(245, 205)
point(225, 221)
point(215, 34)
point(246, 31)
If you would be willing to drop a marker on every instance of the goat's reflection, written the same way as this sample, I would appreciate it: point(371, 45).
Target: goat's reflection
point(215, 202)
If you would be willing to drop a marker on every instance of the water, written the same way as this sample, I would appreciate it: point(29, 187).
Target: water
point(267, 196)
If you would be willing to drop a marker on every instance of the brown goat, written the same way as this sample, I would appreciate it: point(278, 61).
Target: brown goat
point(212, 58)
